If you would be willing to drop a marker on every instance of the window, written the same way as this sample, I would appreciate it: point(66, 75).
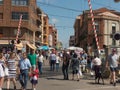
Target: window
point(20, 2)
point(1, 15)
point(97, 26)
point(113, 32)
point(16, 15)
point(1, 2)
point(113, 28)
point(1, 31)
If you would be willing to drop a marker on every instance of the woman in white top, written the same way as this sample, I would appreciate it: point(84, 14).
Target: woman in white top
point(58, 59)
point(40, 62)
point(97, 65)
point(1, 71)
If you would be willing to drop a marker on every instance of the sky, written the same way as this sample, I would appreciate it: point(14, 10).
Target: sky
point(62, 14)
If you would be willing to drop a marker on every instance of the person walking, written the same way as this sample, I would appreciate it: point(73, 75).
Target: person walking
point(32, 57)
point(1, 71)
point(58, 60)
point(40, 61)
point(113, 64)
point(11, 64)
point(34, 78)
point(75, 66)
point(65, 65)
point(24, 68)
point(52, 60)
point(96, 65)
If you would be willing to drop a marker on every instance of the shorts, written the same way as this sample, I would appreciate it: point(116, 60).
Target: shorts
point(75, 71)
point(113, 69)
point(34, 81)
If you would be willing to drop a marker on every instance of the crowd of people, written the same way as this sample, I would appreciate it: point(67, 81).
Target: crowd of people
point(24, 66)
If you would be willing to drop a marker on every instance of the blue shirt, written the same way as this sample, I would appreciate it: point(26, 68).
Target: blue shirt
point(24, 64)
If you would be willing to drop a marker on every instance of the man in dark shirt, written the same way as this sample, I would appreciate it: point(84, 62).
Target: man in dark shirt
point(66, 59)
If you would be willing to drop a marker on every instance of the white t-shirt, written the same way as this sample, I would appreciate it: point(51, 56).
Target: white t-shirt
point(97, 61)
point(40, 58)
point(58, 59)
point(113, 60)
point(2, 74)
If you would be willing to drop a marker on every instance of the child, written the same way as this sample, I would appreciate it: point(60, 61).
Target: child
point(34, 78)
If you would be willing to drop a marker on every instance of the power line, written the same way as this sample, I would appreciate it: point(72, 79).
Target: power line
point(61, 16)
point(59, 7)
point(63, 26)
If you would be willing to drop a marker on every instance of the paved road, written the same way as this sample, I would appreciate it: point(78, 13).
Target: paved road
point(54, 81)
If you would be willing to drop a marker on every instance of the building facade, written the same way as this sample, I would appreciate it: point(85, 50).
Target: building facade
point(53, 37)
point(45, 31)
point(107, 23)
point(10, 11)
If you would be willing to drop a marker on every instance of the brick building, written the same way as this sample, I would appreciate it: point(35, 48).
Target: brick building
point(53, 38)
point(107, 23)
point(10, 11)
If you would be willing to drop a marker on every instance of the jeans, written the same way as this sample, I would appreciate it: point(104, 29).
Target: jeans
point(57, 66)
point(52, 65)
point(23, 77)
point(40, 67)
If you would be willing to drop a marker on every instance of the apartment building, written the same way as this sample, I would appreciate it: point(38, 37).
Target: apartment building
point(45, 30)
point(53, 38)
point(107, 23)
point(10, 11)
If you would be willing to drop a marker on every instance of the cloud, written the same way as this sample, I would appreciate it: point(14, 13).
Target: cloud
point(54, 20)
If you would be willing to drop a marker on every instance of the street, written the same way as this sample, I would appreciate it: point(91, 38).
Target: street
point(54, 81)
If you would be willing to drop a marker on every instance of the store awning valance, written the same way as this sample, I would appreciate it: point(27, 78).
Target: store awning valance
point(32, 46)
point(19, 46)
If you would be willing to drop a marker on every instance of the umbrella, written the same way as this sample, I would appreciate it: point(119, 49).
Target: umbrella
point(43, 48)
point(71, 48)
point(75, 48)
point(79, 49)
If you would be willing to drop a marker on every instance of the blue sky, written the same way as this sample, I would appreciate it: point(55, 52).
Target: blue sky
point(62, 13)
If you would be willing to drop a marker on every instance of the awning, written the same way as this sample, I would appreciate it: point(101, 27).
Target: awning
point(32, 46)
point(4, 42)
point(19, 46)
point(43, 48)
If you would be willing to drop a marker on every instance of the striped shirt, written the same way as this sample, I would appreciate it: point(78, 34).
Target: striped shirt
point(11, 68)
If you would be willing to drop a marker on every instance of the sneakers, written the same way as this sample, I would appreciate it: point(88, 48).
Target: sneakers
point(111, 82)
